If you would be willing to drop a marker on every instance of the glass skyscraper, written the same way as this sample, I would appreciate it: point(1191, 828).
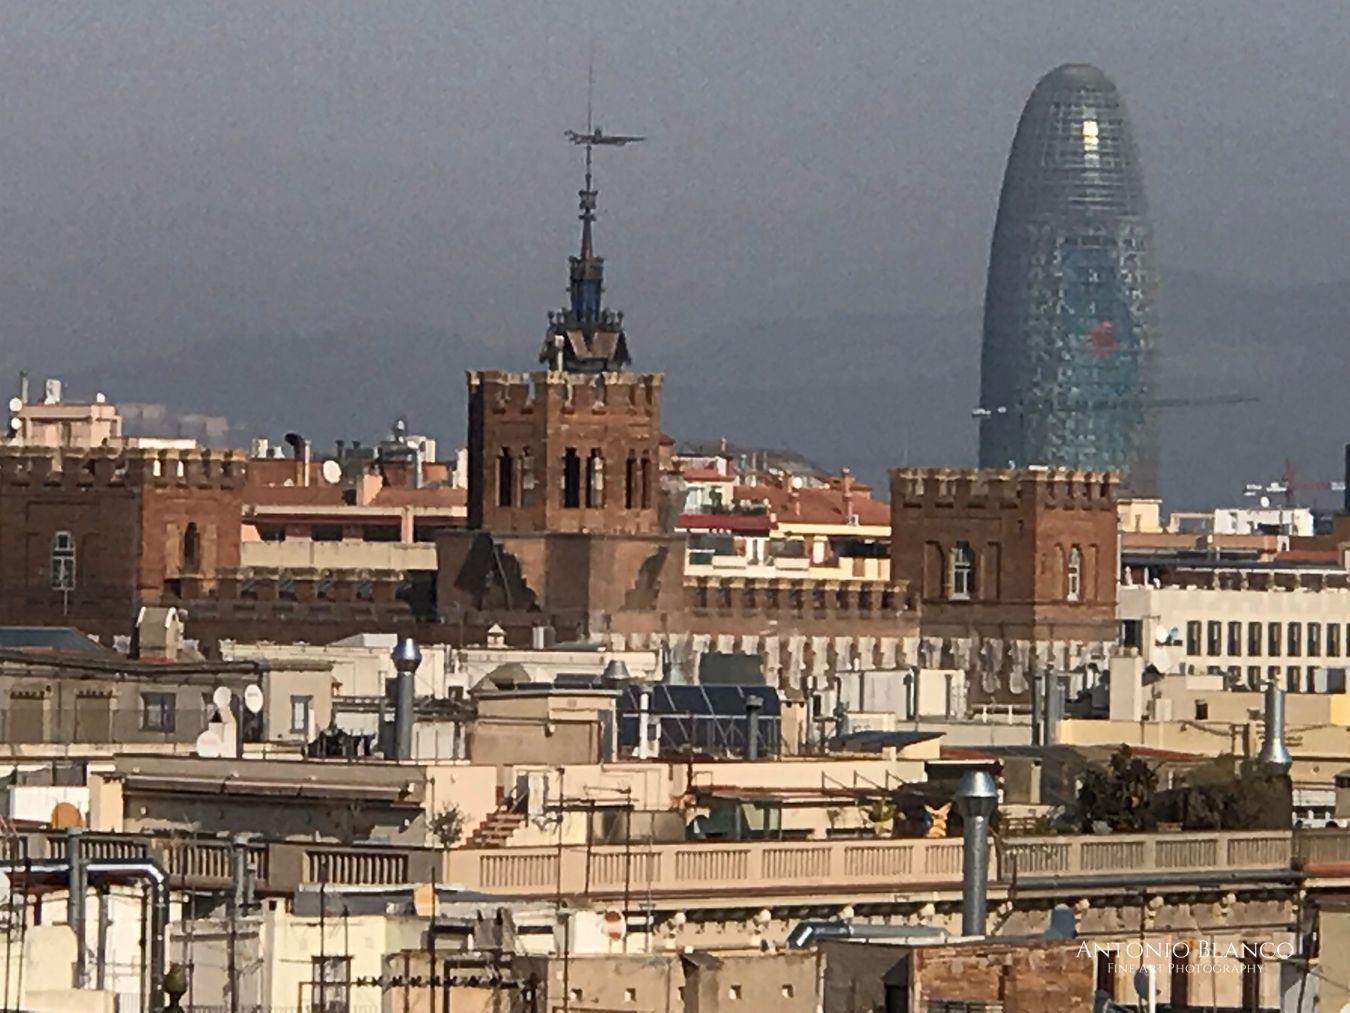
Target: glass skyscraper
point(1071, 308)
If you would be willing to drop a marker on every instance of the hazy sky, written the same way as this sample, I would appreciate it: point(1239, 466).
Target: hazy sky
point(176, 172)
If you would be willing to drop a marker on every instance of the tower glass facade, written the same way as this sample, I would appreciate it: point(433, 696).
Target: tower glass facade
point(1071, 306)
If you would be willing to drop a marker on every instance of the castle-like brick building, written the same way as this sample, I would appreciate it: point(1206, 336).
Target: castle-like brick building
point(571, 526)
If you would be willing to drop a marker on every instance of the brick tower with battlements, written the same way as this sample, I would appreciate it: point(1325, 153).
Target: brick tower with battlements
point(567, 524)
point(88, 536)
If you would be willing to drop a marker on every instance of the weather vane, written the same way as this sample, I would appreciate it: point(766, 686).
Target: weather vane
point(594, 136)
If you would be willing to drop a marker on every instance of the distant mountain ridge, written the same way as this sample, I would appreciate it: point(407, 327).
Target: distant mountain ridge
point(866, 391)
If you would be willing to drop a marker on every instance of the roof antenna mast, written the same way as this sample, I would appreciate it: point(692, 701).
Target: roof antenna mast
point(585, 336)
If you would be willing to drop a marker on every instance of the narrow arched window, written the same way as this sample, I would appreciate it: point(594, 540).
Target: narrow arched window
point(506, 479)
point(595, 479)
point(63, 561)
point(191, 548)
point(963, 571)
point(1074, 574)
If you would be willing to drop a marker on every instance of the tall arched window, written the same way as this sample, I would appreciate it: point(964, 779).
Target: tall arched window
point(963, 571)
point(192, 551)
point(595, 479)
point(63, 561)
point(1074, 574)
point(506, 479)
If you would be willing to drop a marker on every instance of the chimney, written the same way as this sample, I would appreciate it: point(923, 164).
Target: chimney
point(644, 716)
point(846, 483)
point(754, 703)
point(300, 449)
point(407, 656)
point(976, 801)
point(1273, 749)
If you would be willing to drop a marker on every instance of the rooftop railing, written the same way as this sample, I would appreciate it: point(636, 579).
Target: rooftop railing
point(711, 870)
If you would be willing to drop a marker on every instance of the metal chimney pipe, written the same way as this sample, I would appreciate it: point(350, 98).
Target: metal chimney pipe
point(407, 656)
point(1273, 749)
point(77, 886)
point(753, 705)
point(976, 801)
point(1053, 692)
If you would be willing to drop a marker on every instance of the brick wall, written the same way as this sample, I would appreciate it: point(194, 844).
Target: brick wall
point(524, 430)
point(1021, 529)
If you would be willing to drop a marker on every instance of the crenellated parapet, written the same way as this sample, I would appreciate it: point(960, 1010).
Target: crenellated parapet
point(112, 468)
point(506, 394)
point(994, 488)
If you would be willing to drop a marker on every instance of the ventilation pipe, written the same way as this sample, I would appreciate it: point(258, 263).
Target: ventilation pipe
point(976, 800)
point(1273, 749)
point(754, 703)
point(300, 449)
point(644, 718)
point(407, 656)
point(152, 991)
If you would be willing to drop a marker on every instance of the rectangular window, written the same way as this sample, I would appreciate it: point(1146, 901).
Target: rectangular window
point(1333, 640)
point(1214, 638)
point(1254, 677)
point(1295, 640)
point(159, 712)
point(1273, 639)
point(1272, 673)
point(330, 984)
point(1294, 681)
point(300, 711)
point(1193, 637)
point(1235, 640)
point(1254, 640)
point(1314, 640)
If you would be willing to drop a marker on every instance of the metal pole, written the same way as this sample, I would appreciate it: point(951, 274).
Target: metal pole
point(323, 928)
point(75, 890)
point(239, 898)
point(103, 900)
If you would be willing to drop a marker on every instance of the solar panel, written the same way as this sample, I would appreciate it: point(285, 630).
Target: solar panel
point(712, 720)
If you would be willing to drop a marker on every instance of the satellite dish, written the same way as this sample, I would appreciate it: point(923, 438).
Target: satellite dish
point(1265, 501)
point(16, 424)
point(16, 404)
point(208, 746)
point(100, 398)
point(253, 699)
point(331, 472)
point(1163, 636)
point(222, 697)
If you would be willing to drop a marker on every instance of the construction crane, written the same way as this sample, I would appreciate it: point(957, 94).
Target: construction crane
point(1090, 406)
point(1289, 485)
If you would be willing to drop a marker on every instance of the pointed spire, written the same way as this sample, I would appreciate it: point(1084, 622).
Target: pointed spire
point(586, 337)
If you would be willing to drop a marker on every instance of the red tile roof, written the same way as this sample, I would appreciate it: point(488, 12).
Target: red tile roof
point(812, 505)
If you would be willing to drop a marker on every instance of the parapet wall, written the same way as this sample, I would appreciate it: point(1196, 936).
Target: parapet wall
point(963, 488)
point(28, 467)
point(605, 394)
